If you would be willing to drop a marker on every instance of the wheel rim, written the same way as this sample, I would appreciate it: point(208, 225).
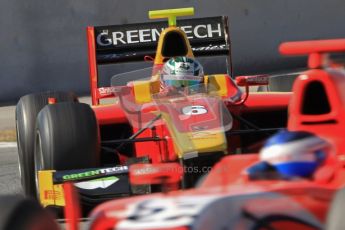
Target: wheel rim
point(38, 161)
point(19, 158)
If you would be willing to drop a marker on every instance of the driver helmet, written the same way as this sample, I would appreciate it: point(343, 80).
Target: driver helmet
point(181, 72)
point(294, 153)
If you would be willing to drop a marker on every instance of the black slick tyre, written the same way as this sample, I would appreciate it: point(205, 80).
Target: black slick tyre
point(67, 138)
point(26, 112)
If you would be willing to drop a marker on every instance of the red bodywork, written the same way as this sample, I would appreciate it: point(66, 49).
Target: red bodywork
point(228, 188)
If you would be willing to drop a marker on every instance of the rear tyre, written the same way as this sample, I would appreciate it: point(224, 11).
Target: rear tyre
point(335, 217)
point(66, 138)
point(26, 112)
point(20, 213)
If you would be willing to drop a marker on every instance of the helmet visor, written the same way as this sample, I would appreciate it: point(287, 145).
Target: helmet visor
point(181, 81)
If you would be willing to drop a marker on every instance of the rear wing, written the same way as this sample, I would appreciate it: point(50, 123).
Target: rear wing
point(132, 42)
point(317, 50)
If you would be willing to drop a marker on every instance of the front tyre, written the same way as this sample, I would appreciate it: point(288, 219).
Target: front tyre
point(66, 138)
point(26, 112)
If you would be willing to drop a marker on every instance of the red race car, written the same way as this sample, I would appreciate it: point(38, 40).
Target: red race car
point(61, 140)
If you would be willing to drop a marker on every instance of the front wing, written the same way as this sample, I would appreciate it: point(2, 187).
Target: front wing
point(94, 185)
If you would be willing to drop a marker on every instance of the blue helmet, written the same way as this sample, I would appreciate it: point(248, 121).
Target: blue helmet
point(294, 153)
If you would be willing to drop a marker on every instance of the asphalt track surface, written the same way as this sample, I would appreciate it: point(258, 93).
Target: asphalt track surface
point(9, 173)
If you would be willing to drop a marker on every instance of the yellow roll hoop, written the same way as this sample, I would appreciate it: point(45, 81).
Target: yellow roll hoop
point(171, 14)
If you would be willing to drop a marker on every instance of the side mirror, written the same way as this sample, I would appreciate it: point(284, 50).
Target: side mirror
point(254, 80)
point(148, 58)
point(161, 173)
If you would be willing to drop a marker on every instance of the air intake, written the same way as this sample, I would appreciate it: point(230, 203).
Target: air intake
point(315, 100)
point(174, 45)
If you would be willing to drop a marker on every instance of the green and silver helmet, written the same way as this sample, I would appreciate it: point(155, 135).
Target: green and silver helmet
point(182, 72)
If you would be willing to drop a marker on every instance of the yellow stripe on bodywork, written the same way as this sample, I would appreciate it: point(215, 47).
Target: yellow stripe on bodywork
point(199, 141)
point(208, 141)
point(50, 194)
point(217, 84)
point(143, 90)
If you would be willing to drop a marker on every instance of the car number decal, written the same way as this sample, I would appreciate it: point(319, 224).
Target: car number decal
point(167, 213)
point(194, 110)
